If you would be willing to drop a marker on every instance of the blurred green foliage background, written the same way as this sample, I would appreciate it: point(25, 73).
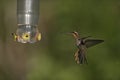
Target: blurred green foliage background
point(53, 57)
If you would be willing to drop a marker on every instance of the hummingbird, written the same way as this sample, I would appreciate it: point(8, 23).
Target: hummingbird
point(82, 45)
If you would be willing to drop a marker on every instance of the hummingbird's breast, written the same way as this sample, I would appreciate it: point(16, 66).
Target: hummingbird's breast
point(78, 42)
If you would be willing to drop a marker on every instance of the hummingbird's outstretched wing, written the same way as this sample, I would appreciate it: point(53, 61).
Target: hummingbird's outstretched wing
point(92, 42)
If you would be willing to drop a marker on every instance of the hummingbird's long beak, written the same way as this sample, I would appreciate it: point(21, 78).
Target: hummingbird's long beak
point(71, 32)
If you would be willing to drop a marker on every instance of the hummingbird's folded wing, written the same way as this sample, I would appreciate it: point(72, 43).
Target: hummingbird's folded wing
point(92, 42)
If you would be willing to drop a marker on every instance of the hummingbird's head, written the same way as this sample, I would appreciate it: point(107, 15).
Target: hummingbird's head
point(75, 34)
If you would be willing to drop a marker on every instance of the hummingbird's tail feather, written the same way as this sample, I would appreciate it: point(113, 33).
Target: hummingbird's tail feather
point(80, 57)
